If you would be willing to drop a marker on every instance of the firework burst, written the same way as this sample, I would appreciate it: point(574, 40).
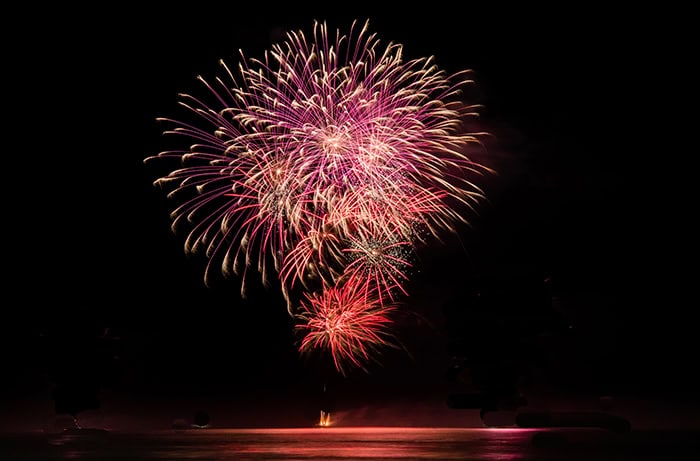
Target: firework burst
point(379, 260)
point(322, 163)
point(349, 321)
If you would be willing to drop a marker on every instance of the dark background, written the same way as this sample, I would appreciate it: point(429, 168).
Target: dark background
point(586, 212)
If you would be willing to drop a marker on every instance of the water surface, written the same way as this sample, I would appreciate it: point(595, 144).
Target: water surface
point(356, 443)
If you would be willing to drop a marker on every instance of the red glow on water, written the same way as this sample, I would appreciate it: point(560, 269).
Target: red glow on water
point(380, 442)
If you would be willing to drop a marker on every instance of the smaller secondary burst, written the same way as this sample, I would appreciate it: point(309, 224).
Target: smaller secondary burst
point(350, 321)
point(381, 261)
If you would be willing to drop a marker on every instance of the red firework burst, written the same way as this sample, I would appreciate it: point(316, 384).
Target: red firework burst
point(349, 322)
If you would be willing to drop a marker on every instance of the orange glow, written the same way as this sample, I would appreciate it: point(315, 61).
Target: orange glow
point(325, 419)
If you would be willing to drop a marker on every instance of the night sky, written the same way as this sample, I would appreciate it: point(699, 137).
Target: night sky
point(582, 214)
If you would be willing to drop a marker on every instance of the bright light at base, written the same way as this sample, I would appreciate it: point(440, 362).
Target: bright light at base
point(325, 419)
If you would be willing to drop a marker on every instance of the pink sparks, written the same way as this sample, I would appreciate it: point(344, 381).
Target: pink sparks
point(322, 165)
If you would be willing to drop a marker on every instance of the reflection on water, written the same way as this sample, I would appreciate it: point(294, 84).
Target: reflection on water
point(360, 443)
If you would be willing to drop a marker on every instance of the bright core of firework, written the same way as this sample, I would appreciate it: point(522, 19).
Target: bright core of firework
point(322, 165)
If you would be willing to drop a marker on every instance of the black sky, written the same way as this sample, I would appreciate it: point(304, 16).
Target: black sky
point(581, 198)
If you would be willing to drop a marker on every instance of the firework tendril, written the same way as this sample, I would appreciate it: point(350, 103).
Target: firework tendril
point(322, 166)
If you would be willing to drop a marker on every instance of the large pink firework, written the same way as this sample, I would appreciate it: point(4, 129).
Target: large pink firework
point(329, 158)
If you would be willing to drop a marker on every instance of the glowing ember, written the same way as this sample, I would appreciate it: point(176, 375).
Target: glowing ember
point(325, 419)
